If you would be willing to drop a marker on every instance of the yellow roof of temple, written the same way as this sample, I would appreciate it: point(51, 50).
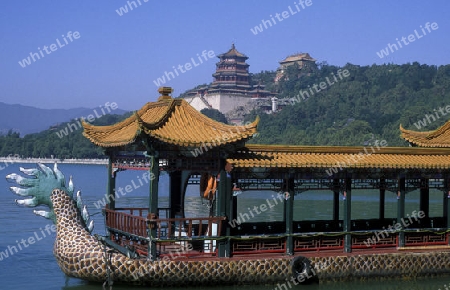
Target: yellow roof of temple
point(170, 121)
point(340, 157)
point(436, 138)
point(232, 52)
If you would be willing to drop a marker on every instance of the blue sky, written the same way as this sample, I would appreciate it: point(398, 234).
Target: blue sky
point(117, 58)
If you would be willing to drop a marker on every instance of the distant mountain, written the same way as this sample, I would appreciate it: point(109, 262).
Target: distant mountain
point(27, 119)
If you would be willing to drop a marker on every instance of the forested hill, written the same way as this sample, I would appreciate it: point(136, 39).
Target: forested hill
point(357, 105)
point(350, 105)
point(63, 141)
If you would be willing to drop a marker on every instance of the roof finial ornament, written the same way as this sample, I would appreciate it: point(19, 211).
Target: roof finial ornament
point(165, 93)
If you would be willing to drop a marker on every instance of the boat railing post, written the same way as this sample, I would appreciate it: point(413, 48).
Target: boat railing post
point(221, 209)
point(382, 204)
point(447, 203)
point(111, 185)
point(229, 214)
point(425, 196)
point(336, 187)
point(153, 203)
point(289, 198)
point(401, 209)
point(347, 215)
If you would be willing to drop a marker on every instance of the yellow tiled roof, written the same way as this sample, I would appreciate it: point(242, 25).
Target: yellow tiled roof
point(271, 156)
point(172, 121)
point(297, 57)
point(233, 52)
point(436, 138)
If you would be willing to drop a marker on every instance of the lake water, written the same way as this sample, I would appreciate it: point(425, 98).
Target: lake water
point(34, 267)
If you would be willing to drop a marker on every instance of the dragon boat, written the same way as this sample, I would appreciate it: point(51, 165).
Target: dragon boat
point(159, 246)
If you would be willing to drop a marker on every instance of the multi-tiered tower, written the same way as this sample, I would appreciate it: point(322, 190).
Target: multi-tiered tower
point(231, 74)
point(231, 87)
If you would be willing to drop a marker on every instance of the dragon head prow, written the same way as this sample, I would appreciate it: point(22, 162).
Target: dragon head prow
point(38, 187)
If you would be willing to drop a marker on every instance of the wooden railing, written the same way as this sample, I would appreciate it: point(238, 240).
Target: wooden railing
point(126, 223)
point(259, 245)
point(203, 233)
point(189, 227)
point(143, 211)
point(426, 239)
point(135, 222)
point(139, 211)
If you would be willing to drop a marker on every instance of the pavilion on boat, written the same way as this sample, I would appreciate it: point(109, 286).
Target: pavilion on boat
point(170, 135)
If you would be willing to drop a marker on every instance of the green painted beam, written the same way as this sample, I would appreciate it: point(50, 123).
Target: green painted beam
point(382, 206)
point(401, 209)
point(336, 199)
point(153, 202)
point(289, 216)
point(221, 199)
point(425, 197)
point(111, 186)
point(348, 215)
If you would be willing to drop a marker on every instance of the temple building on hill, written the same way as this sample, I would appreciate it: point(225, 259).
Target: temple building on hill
point(231, 74)
point(303, 60)
point(231, 87)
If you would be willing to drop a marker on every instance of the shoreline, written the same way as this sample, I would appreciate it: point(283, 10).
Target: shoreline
point(13, 160)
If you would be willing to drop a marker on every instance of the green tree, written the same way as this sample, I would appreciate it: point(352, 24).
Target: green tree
point(215, 115)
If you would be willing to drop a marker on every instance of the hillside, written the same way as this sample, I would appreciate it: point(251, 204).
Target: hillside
point(367, 104)
point(64, 141)
point(350, 105)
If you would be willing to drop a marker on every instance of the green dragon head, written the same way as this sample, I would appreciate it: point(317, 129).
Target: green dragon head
point(39, 185)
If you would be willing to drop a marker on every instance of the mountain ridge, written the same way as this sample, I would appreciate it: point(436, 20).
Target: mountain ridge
point(28, 119)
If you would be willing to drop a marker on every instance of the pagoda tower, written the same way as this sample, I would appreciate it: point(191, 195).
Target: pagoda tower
point(231, 74)
point(231, 88)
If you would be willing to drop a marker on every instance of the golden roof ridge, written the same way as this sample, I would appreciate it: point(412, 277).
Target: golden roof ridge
point(173, 121)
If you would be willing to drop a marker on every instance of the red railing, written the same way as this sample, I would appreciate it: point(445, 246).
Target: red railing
point(426, 239)
point(189, 227)
point(318, 243)
point(375, 240)
point(126, 223)
point(136, 221)
point(139, 211)
point(259, 245)
point(175, 232)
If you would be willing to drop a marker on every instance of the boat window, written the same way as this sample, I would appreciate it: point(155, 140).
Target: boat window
point(260, 206)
